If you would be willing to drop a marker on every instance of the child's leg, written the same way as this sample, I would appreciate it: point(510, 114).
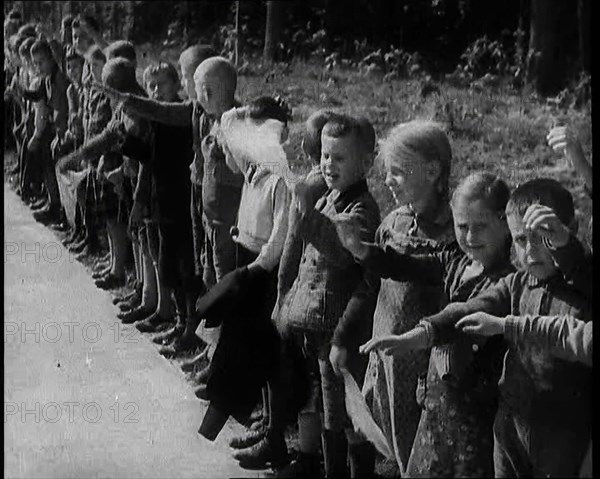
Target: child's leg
point(120, 246)
point(335, 444)
point(163, 296)
point(149, 293)
point(49, 172)
point(136, 261)
point(511, 447)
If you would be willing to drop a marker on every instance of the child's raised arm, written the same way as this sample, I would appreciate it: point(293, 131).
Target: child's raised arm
point(496, 300)
point(170, 113)
point(568, 252)
point(388, 262)
point(563, 140)
point(565, 336)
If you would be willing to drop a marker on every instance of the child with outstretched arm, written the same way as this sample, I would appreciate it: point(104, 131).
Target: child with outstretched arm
point(543, 400)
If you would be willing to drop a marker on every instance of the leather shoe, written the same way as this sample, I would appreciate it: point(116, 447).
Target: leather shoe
point(110, 282)
point(248, 438)
point(201, 392)
point(151, 323)
point(134, 315)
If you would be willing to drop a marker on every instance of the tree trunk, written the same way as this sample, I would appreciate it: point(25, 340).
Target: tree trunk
point(273, 29)
point(237, 33)
point(544, 65)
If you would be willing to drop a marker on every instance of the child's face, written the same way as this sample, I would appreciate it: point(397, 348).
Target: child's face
point(206, 94)
point(42, 63)
point(96, 66)
point(341, 162)
point(480, 232)
point(81, 41)
point(161, 87)
point(187, 82)
point(74, 71)
point(532, 254)
point(409, 177)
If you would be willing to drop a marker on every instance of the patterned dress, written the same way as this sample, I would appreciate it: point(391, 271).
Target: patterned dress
point(459, 398)
point(391, 381)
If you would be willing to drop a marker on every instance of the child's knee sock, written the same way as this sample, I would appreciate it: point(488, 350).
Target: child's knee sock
point(164, 306)
point(149, 291)
point(120, 245)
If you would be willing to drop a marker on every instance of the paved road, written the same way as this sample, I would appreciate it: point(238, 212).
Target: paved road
point(85, 396)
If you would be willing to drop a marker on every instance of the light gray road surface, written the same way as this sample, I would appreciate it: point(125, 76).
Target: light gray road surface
point(85, 396)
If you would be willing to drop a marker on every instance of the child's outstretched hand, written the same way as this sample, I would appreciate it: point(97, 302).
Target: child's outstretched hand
point(543, 220)
point(349, 233)
point(338, 357)
point(481, 323)
point(412, 340)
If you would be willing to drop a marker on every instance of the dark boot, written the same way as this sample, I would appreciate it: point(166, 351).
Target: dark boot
point(335, 453)
point(362, 460)
point(269, 451)
point(248, 438)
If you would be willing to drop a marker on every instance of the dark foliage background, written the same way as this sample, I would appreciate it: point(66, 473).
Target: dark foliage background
point(486, 36)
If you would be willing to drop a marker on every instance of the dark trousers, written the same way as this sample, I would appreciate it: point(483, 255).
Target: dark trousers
point(526, 449)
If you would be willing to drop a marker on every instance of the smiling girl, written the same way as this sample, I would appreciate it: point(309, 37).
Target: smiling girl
point(417, 158)
point(454, 437)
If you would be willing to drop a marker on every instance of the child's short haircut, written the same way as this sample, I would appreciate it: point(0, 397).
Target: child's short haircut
point(428, 140)
point(10, 27)
point(121, 49)
point(27, 30)
point(266, 107)
point(14, 42)
point(15, 15)
point(90, 21)
point(66, 22)
point(546, 192)
point(73, 55)
point(341, 125)
point(119, 73)
point(490, 189)
point(223, 71)
point(43, 47)
point(192, 56)
point(152, 71)
point(95, 53)
point(312, 135)
point(25, 47)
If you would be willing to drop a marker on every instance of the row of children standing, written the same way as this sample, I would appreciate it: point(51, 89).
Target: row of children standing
point(308, 287)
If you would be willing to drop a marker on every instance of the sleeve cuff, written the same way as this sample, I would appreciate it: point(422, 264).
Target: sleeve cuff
point(511, 327)
point(429, 331)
